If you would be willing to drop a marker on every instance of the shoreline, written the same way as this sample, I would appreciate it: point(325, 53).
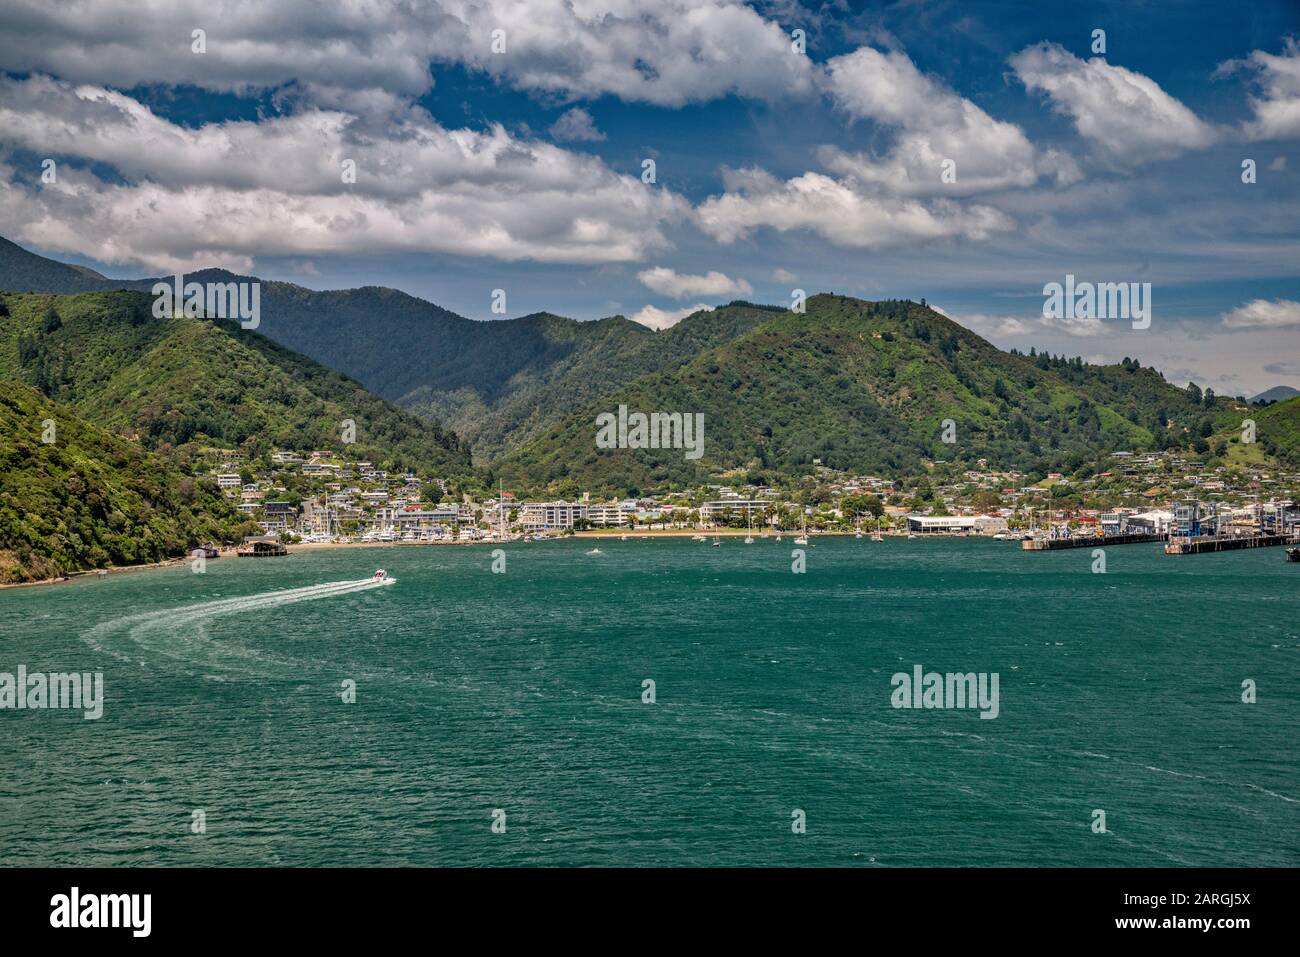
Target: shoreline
point(94, 572)
point(600, 534)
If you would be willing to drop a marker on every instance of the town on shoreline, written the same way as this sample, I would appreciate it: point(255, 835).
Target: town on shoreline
point(321, 497)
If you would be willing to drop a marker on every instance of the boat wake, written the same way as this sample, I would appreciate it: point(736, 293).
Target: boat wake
point(171, 631)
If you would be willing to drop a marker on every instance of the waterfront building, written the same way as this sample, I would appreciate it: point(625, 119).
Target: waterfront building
point(544, 516)
point(611, 514)
point(744, 508)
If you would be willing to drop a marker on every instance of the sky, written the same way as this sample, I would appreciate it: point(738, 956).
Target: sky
point(968, 154)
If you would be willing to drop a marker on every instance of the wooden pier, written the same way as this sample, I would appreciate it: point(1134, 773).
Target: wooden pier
point(1089, 541)
point(1224, 543)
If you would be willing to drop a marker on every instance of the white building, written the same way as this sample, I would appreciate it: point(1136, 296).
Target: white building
point(952, 524)
point(745, 508)
point(537, 516)
point(612, 514)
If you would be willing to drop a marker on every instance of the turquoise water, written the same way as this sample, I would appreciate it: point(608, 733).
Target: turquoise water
point(522, 691)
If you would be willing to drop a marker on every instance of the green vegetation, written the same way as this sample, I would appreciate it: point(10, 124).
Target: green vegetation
point(497, 384)
point(89, 499)
point(178, 382)
point(865, 388)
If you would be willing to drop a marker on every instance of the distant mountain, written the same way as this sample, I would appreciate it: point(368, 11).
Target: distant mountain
point(1276, 394)
point(496, 383)
point(23, 271)
point(175, 382)
point(87, 498)
point(854, 385)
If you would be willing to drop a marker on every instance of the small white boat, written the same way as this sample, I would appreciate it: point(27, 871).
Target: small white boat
point(595, 551)
point(382, 577)
point(801, 540)
point(749, 539)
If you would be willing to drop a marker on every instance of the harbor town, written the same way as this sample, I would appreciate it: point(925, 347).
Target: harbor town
point(318, 498)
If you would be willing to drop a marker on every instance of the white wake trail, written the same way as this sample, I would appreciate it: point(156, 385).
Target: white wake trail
point(190, 617)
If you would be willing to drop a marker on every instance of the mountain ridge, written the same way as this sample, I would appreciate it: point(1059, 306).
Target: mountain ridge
point(852, 384)
point(177, 381)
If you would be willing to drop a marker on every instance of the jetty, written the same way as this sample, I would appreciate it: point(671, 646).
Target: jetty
point(1090, 541)
point(1225, 543)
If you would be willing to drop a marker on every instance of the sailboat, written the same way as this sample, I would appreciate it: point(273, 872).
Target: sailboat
point(749, 539)
point(717, 542)
point(803, 539)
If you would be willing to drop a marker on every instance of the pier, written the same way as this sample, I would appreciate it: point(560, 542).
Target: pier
point(1089, 541)
point(1225, 543)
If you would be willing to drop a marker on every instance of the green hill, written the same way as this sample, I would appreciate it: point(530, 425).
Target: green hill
point(564, 365)
point(866, 387)
point(1277, 429)
point(176, 381)
point(495, 384)
point(855, 385)
point(89, 498)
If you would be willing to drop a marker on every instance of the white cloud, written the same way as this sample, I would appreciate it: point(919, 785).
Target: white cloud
point(1126, 116)
point(1278, 165)
point(659, 51)
point(669, 282)
point(837, 211)
point(934, 125)
point(990, 325)
point(225, 192)
point(576, 125)
point(1077, 327)
point(784, 275)
point(657, 318)
point(1263, 313)
point(1277, 107)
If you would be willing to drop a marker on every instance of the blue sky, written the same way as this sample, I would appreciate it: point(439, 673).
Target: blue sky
point(519, 168)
